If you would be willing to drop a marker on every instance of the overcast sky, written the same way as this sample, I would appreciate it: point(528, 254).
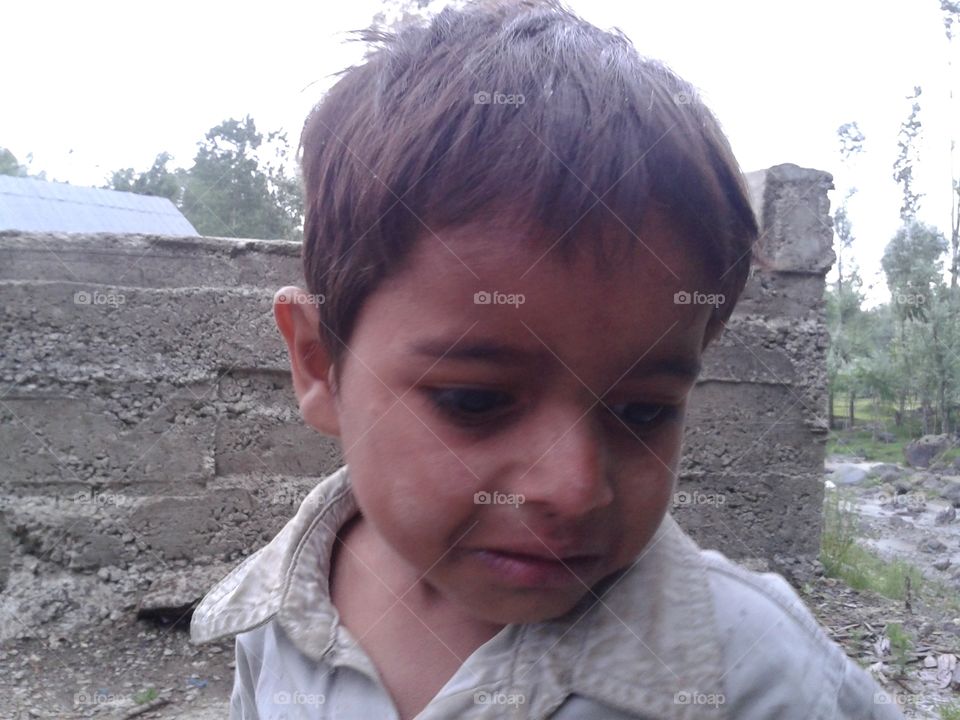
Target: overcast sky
point(95, 86)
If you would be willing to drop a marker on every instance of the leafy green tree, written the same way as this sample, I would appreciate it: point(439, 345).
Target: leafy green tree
point(843, 305)
point(232, 191)
point(9, 165)
point(913, 264)
point(927, 338)
point(158, 180)
point(908, 157)
point(951, 17)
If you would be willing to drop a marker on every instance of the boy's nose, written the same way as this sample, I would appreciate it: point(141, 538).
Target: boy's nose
point(570, 472)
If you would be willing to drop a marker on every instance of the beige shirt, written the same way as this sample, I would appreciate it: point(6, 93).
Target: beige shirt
point(682, 633)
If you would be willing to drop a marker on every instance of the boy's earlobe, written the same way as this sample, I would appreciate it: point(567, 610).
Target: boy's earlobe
point(310, 366)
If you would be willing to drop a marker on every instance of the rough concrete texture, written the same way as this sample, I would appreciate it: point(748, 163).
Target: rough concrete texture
point(147, 420)
point(751, 476)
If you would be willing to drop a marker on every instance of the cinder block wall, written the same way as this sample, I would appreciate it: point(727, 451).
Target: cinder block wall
point(147, 417)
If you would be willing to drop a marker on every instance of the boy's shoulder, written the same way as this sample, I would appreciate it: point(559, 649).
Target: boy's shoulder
point(775, 652)
point(276, 575)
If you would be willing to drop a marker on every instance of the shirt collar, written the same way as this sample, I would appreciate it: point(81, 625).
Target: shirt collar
point(643, 640)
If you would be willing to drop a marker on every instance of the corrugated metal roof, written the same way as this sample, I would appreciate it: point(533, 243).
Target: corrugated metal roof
point(40, 206)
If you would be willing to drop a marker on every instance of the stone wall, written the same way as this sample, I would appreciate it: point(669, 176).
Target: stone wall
point(148, 424)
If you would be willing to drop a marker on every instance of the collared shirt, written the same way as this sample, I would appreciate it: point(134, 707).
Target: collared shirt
point(682, 633)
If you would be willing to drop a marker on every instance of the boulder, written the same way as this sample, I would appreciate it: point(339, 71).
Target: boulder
point(920, 452)
point(945, 517)
point(924, 479)
point(951, 491)
point(885, 437)
point(931, 545)
point(886, 472)
point(848, 474)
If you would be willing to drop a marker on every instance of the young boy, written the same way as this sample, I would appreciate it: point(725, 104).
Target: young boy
point(501, 208)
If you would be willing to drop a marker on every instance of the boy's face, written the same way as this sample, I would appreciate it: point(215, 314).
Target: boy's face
point(511, 454)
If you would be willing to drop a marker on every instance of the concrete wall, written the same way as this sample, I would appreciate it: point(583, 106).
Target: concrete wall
point(751, 477)
point(147, 418)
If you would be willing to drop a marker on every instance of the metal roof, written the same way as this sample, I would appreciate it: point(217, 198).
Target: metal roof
point(41, 206)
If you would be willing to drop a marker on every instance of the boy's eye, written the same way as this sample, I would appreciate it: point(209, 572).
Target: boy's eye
point(469, 404)
point(476, 406)
point(645, 416)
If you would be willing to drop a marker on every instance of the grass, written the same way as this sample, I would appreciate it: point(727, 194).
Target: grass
point(901, 646)
point(867, 410)
point(949, 455)
point(842, 557)
point(950, 712)
point(862, 444)
point(145, 696)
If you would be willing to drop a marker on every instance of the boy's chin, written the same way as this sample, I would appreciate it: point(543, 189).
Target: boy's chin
point(529, 610)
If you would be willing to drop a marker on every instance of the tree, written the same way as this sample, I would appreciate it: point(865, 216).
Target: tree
point(395, 13)
point(927, 340)
point(847, 342)
point(844, 304)
point(9, 165)
point(951, 17)
point(913, 264)
point(908, 157)
point(158, 180)
point(851, 145)
point(230, 192)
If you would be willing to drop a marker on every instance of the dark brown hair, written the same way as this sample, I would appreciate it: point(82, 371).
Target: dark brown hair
point(518, 109)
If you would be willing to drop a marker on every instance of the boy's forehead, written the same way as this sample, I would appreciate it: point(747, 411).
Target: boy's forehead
point(494, 294)
point(510, 248)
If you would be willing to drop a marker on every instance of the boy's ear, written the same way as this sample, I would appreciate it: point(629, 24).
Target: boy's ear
point(311, 368)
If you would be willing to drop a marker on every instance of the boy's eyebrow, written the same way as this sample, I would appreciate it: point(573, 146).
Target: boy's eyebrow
point(484, 350)
point(491, 351)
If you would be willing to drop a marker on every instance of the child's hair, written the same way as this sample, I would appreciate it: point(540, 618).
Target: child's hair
point(516, 110)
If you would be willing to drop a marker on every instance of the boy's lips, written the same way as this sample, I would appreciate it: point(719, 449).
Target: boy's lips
point(537, 567)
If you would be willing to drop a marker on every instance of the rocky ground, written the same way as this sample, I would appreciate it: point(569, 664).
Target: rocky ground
point(103, 646)
point(912, 516)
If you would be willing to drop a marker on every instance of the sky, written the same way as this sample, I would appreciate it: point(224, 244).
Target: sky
point(91, 87)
